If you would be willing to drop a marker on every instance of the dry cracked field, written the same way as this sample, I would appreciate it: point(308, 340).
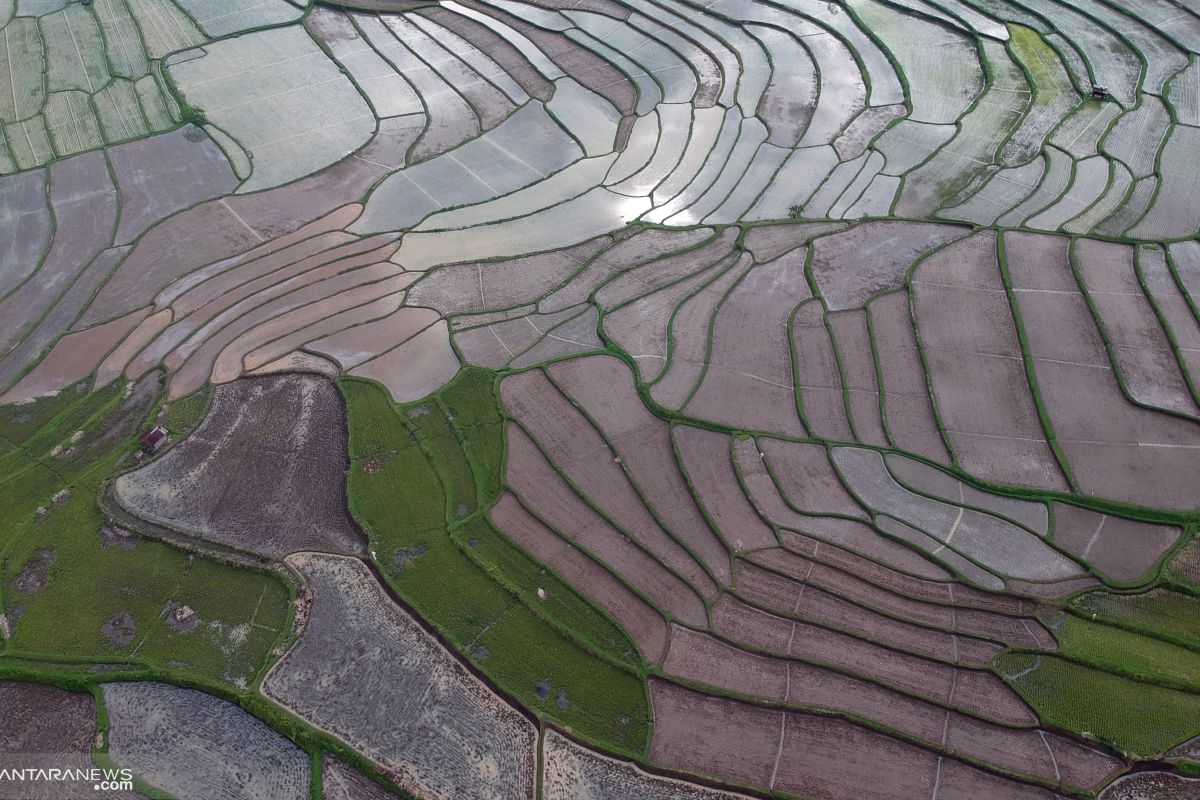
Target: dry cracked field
point(600, 399)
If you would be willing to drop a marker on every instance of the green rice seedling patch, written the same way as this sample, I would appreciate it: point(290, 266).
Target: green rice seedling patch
point(511, 565)
point(562, 681)
point(181, 416)
point(440, 441)
point(18, 423)
point(1136, 717)
point(1162, 613)
point(1039, 59)
point(1127, 653)
point(470, 404)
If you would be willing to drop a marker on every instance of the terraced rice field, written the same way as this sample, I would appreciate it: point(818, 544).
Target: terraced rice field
point(616, 398)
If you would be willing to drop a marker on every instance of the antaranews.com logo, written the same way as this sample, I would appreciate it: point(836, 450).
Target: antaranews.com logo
point(99, 780)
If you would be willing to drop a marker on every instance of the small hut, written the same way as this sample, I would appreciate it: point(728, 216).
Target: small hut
point(153, 440)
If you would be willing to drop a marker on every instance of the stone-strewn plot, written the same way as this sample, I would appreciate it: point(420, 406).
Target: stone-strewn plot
point(262, 473)
point(365, 672)
point(1152, 786)
point(572, 772)
point(198, 747)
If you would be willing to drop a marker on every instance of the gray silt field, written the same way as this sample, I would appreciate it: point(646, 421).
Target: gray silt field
point(193, 745)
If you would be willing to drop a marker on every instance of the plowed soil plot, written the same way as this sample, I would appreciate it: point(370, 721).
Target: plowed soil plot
point(465, 288)
point(1122, 548)
point(781, 595)
point(548, 495)
point(705, 457)
point(1140, 347)
point(929, 481)
point(585, 458)
point(771, 241)
point(853, 266)
point(975, 366)
point(917, 588)
point(975, 690)
point(572, 772)
point(24, 225)
point(810, 756)
point(748, 382)
point(640, 620)
point(993, 543)
point(42, 728)
point(604, 388)
point(368, 674)
point(198, 747)
point(264, 472)
point(908, 414)
point(72, 359)
point(1103, 436)
point(1022, 632)
point(163, 174)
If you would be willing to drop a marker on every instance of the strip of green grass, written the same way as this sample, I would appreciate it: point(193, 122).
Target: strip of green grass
point(416, 477)
point(507, 563)
point(1043, 64)
point(1127, 653)
point(77, 444)
point(1136, 717)
point(181, 416)
point(440, 442)
point(470, 405)
point(1162, 613)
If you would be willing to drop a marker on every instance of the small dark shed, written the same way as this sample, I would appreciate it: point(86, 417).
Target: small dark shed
point(153, 440)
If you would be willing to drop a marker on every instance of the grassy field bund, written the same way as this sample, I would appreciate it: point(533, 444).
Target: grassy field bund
point(421, 478)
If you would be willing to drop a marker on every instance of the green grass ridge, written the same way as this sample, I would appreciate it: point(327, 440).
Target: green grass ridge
point(420, 479)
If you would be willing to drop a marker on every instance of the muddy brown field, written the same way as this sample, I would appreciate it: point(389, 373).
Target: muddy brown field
point(262, 473)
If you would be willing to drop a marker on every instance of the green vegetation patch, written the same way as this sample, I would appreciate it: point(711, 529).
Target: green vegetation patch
point(18, 423)
point(471, 406)
point(511, 565)
point(1137, 717)
point(1184, 569)
point(181, 416)
point(421, 478)
point(1039, 58)
point(1124, 652)
point(74, 588)
point(1162, 613)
